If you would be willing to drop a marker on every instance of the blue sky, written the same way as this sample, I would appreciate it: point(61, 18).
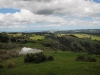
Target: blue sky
point(97, 1)
point(8, 10)
point(35, 15)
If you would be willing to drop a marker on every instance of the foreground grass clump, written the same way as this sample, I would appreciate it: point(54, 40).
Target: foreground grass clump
point(50, 58)
point(37, 57)
point(1, 66)
point(10, 65)
point(83, 58)
point(80, 58)
point(90, 59)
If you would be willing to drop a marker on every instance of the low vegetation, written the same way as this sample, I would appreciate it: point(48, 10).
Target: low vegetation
point(83, 58)
point(37, 58)
point(7, 54)
point(10, 65)
point(1, 66)
point(64, 63)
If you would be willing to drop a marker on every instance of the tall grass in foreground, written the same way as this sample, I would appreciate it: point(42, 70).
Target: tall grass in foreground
point(64, 64)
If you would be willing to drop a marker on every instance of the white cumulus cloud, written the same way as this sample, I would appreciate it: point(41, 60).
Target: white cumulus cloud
point(46, 11)
point(25, 17)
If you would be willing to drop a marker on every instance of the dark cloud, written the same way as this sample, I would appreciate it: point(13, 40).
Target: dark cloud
point(45, 11)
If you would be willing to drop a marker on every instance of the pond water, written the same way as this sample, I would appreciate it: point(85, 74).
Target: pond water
point(26, 50)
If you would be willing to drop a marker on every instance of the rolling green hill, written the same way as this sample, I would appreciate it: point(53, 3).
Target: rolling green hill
point(64, 64)
point(92, 37)
point(63, 47)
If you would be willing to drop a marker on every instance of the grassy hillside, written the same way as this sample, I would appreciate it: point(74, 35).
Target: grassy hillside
point(17, 34)
point(63, 64)
point(63, 47)
point(93, 37)
point(36, 37)
point(52, 41)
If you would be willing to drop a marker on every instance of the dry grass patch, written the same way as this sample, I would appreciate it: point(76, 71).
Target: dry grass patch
point(7, 54)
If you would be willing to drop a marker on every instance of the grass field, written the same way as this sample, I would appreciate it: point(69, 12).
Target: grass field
point(93, 37)
point(64, 64)
point(19, 34)
point(37, 37)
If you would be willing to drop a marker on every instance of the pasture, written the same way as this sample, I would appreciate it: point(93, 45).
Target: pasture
point(64, 64)
point(37, 37)
point(93, 37)
point(18, 34)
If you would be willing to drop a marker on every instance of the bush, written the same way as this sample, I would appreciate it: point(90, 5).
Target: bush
point(1, 60)
point(83, 58)
point(37, 58)
point(40, 58)
point(29, 57)
point(50, 58)
point(90, 59)
point(1, 66)
point(80, 58)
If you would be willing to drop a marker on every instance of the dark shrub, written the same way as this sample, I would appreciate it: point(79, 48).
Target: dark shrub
point(26, 59)
point(1, 60)
point(29, 57)
point(32, 57)
point(37, 58)
point(80, 58)
point(90, 59)
point(1, 66)
point(40, 58)
point(50, 58)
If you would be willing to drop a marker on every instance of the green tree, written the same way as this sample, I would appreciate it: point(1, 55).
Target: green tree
point(4, 37)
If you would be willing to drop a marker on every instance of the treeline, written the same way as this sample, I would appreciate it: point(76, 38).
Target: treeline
point(4, 37)
point(84, 31)
point(11, 41)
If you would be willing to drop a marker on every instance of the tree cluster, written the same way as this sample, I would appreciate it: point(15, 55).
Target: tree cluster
point(4, 37)
point(69, 42)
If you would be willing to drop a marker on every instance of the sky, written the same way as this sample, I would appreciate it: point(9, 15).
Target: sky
point(36, 15)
